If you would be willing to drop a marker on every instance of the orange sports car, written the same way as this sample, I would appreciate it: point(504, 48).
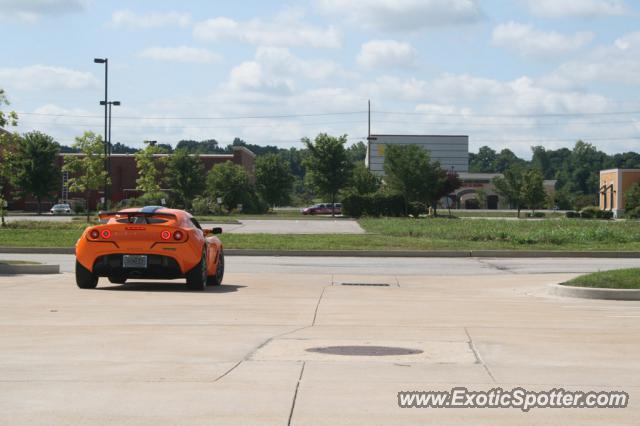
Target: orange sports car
point(150, 242)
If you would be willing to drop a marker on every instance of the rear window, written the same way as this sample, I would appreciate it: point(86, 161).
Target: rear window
point(141, 220)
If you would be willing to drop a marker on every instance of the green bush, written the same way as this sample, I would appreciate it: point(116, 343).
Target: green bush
point(536, 214)
point(633, 213)
point(593, 212)
point(416, 208)
point(572, 215)
point(589, 212)
point(376, 204)
point(254, 204)
point(201, 206)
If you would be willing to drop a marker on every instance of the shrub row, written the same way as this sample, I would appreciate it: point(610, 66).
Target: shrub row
point(376, 204)
point(590, 212)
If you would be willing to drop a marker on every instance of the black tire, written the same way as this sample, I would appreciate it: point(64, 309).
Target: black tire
point(197, 277)
point(117, 280)
point(217, 278)
point(84, 277)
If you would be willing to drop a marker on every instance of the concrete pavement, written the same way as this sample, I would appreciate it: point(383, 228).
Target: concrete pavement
point(155, 353)
point(292, 226)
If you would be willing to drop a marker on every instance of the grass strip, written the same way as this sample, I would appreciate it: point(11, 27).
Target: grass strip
point(618, 278)
point(392, 234)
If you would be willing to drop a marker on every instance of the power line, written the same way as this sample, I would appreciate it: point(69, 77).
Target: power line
point(246, 117)
point(559, 114)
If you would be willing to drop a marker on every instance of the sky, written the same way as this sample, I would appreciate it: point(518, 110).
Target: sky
point(509, 74)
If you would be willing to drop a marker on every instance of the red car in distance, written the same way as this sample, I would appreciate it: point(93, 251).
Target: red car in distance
point(324, 208)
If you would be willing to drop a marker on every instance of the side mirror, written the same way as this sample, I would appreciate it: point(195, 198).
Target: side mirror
point(216, 230)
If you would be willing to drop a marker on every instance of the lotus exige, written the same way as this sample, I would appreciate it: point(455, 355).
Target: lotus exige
point(152, 242)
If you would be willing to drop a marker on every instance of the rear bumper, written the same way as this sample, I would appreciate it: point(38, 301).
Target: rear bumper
point(158, 267)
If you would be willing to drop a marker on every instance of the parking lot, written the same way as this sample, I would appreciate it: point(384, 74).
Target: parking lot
point(238, 354)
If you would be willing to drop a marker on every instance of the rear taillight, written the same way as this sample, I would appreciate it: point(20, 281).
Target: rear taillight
point(165, 235)
point(94, 234)
point(177, 235)
point(106, 234)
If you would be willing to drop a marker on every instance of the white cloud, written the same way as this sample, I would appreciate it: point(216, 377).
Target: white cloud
point(404, 15)
point(181, 54)
point(628, 42)
point(528, 41)
point(285, 30)
point(280, 61)
point(386, 54)
point(130, 19)
point(276, 69)
point(38, 77)
point(251, 76)
point(617, 63)
point(577, 8)
point(32, 10)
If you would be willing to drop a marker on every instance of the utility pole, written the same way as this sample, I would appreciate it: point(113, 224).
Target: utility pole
point(105, 61)
point(369, 120)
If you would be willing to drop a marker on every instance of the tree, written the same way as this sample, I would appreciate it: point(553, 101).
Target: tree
point(37, 173)
point(632, 197)
point(86, 171)
point(510, 186)
point(505, 159)
point(363, 180)
point(229, 182)
point(484, 161)
point(7, 118)
point(448, 182)
point(410, 172)
point(7, 148)
point(328, 164)
point(185, 176)
point(357, 152)
point(533, 194)
point(274, 180)
point(148, 168)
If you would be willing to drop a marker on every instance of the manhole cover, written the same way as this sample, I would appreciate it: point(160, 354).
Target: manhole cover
point(368, 284)
point(364, 350)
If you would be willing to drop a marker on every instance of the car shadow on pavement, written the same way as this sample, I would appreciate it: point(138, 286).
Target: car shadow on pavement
point(179, 287)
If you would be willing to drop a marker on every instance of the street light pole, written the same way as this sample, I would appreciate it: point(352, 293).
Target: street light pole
point(105, 61)
point(108, 139)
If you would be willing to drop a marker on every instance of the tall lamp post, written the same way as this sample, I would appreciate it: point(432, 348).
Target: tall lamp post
point(105, 61)
point(108, 138)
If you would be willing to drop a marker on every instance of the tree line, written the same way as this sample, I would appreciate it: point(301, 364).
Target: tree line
point(577, 170)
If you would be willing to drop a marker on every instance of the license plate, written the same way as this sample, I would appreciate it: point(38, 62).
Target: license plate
point(134, 261)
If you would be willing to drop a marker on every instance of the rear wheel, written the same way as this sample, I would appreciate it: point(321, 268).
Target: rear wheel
point(197, 277)
point(217, 278)
point(84, 277)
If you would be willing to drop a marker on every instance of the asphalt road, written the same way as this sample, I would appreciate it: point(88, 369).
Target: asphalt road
point(154, 353)
point(464, 266)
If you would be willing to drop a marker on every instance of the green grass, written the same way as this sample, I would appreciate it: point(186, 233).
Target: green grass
point(17, 262)
point(475, 213)
point(618, 278)
point(393, 234)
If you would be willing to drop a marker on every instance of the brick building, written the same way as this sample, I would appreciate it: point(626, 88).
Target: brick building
point(124, 175)
point(614, 184)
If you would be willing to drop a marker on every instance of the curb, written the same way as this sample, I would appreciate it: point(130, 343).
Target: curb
point(39, 250)
point(377, 253)
point(595, 293)
point(29, 269)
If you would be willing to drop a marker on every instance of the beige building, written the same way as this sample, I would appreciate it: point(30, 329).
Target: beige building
point(614, 184)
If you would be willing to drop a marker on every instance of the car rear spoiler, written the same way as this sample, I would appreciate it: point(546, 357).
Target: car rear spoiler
point(129, 215)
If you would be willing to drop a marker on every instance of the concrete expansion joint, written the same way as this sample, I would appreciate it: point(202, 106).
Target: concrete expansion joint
point(295, 393)
point(476, 354)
